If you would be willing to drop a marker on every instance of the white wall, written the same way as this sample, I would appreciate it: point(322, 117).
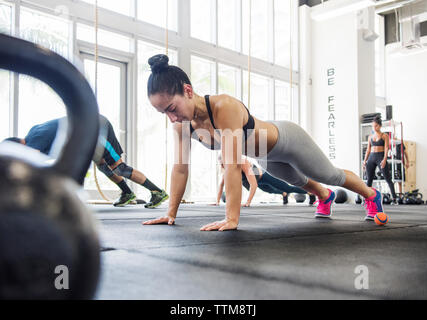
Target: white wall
point(406, 91)
point(337, 43)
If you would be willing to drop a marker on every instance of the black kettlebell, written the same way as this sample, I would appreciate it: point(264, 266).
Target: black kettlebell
point(223, 197)
point(299, 197)
point(400, 198)
point(387, 198)
point(49, 248)
point(341, 196)
point(358, 199)
point(419, 199)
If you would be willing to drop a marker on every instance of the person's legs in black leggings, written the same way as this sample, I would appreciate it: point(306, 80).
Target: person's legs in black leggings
point(279, 184)
point(387, 176)
point(269, 189)
point(371, 165)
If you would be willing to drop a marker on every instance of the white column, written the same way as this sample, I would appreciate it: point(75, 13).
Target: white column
point(305, 67)
point(343, 72)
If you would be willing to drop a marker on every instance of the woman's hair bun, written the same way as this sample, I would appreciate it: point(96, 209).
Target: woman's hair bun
point(378, 120)
point(158, 63)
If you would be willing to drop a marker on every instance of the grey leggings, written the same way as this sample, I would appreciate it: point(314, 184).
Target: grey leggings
point(296, 157)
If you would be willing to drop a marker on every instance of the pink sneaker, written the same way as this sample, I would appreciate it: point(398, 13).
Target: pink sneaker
point(374, 205)
point(324, 208)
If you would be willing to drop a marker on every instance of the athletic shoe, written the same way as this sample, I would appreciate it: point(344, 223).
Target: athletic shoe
point(285, 199)
point(125, 199)
point(324, 208)
point(374, 205)
point(156, 199)
point(312, 199)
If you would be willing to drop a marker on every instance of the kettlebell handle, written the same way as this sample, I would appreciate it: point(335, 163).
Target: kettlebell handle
point(66, 80)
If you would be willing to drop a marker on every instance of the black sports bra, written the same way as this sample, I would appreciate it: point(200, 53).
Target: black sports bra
point(378, 143)
point(250, 125)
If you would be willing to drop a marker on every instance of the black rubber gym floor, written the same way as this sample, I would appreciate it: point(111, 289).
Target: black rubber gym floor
point(279, 252)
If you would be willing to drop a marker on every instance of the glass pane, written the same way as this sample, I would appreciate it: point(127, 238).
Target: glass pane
point(151, 124)
point(5, 104)
point(5, 27)
point(282, 110)
point(109, 90)
point(259, 28)
point(38, 102)
point(5, 18)
point(228, 80)
point(202, 75)
point(228, 23)
point(122, 6)
point(46, 30)
point(203, 80)
point(105, 38)
point(154, 12)
point(202, 20)
point(285, 25)
point(109, 101)
point(260, 98)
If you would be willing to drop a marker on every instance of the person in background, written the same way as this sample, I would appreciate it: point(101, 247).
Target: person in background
point(376, 156)
point(254, 177)
point(41, 137)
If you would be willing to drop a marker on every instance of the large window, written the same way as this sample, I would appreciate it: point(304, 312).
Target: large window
point(5, 18)
point(48, 31)
point(154, 12)
point(5, 26)
point(151, 11)
point(37, 102)
point(203, 20)
point(123, 6)
point(5, 104)
point(203, 160)
point(283, 109)
point(105, 38)
point(229, 80)
point(260, 29)
point(151, 136)
point(229, 24)
point(261, 102)
point(286, 31)
point(112, 104)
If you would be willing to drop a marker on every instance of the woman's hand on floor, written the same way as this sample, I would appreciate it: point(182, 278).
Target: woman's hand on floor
point(162, 220)
point(222, 225)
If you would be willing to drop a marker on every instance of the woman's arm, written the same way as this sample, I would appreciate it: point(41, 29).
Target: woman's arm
point(179, 176)
point(386, 147)
point(368, 152)
point(220, 189)
point(250, 176)
point(229, 117)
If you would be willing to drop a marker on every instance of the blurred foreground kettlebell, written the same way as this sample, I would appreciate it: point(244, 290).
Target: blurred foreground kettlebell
point(49, 248)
